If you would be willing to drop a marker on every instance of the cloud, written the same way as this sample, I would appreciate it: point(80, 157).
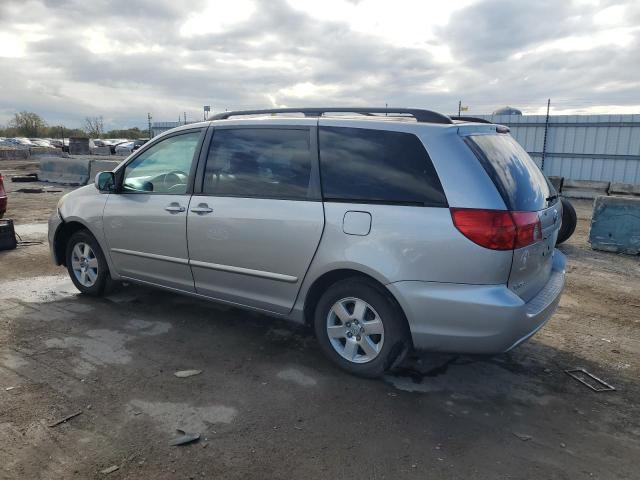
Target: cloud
point(67, 59)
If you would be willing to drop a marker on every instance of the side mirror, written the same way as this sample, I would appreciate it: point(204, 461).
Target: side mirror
point(105, 182)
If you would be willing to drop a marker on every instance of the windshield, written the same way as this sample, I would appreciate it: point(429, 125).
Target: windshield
point(520, 182)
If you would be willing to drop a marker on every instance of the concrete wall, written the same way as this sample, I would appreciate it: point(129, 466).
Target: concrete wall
point(14, 153)
point(581, 147)
point(615, 225)
point(76, 170)
point(97, 166)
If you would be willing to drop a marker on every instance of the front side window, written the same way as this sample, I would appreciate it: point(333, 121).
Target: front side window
point(163, 168)
point(377, 166)
point(259, 162)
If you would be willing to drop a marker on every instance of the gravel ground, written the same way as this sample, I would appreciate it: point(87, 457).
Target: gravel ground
point(268, 405)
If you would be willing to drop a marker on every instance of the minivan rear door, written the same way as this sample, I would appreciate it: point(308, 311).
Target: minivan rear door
point(524, 188)
point(256, 218)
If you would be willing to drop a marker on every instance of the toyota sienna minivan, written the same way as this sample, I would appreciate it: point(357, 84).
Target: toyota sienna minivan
point(382, 229)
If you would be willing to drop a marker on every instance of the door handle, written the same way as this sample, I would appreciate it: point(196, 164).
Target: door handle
point(174, 208)
point(202, 208)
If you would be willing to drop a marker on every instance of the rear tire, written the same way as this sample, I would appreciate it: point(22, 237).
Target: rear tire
point(360, 328)
point(86, 264)
point(569, 221)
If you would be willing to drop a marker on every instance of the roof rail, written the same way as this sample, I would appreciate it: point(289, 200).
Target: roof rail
point(422, 116)
point(465, 118)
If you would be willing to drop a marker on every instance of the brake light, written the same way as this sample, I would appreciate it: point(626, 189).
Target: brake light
point(529, 229)
point(497, 229)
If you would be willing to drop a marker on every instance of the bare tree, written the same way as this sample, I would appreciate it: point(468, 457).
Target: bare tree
point(28, 124)
point(94, 126)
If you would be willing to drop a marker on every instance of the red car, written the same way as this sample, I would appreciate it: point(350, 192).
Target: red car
point(3, 197)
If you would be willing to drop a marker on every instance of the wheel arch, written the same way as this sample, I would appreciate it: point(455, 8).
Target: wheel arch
point(61, 238)
point(324, 281)
point(64, 233)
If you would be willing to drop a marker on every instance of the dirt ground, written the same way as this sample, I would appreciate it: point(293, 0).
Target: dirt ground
point(268, 405)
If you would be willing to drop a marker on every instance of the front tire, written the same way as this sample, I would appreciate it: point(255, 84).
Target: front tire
point(86, 264)
point(360, 328)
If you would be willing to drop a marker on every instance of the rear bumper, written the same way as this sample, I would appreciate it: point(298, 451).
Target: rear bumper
point(480, 319)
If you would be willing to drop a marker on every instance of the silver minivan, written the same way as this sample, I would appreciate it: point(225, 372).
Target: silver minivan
point(382, 229)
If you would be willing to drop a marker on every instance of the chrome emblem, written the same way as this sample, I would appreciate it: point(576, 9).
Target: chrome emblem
point(555, 216)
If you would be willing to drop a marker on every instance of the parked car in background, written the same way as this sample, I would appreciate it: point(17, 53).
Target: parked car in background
point(124, 148)
point(139, 142)
point(19, 142)
point(3, 197)
point(383, 234)
point(39, 142)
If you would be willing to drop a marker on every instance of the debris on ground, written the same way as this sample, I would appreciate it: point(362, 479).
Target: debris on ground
point(65, 419)
point(29, 177)
point(30, 190)
point(37, 190)
point(8, 389)
point(185, 438)
point(522, 436)
point(590, 380)
point(109, 470)
point(187, 373)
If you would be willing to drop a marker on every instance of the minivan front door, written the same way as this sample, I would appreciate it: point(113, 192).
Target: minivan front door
point(145, 222)
point(255, 225)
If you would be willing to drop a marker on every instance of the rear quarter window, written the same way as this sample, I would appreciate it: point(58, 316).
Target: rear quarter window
point(376, 166)
point(521, 183)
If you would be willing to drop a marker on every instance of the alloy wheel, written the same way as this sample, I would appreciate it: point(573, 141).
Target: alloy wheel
point(84, 264)
point(355, 330)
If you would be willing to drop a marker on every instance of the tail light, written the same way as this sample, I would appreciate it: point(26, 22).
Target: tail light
point(498, 229)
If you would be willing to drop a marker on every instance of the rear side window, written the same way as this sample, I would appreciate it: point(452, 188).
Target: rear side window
point(377, 166)
point(259, 162)
point(521, 184)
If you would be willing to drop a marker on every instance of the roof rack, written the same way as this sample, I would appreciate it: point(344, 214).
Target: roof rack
point(465, 118)
point(422, 116)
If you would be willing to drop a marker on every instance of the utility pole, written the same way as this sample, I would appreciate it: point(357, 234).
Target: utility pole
point(149, 120)
point(459, 107)
point(185, 117)
point(544, 141)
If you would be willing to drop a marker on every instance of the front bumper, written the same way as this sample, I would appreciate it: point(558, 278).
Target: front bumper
point(54, 223)
point(479, 319)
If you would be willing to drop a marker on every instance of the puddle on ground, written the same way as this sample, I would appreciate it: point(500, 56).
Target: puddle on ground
point(106, 347)
point(12, 361)
point(38, 289)
point(296, 376)
point(32, 229)
point(182, 416)
point(97, 347)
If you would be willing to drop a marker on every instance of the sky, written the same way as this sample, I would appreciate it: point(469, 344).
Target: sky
point(122, 59)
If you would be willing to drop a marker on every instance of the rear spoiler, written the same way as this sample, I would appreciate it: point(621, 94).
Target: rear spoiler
point(499, 128)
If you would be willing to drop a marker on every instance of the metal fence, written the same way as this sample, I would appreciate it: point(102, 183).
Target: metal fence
point(580, 147)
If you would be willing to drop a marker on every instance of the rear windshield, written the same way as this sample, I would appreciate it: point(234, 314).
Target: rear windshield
point(520, 182)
